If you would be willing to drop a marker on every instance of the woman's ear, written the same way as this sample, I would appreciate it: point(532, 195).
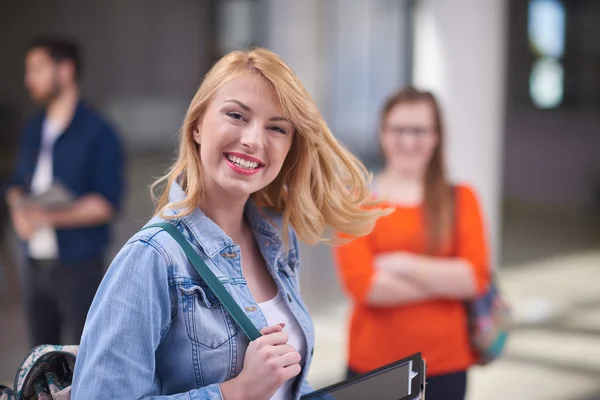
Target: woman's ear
point(196, 134)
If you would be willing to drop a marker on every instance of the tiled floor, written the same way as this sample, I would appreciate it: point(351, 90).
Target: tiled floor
point(554, 350)
point(550, 276)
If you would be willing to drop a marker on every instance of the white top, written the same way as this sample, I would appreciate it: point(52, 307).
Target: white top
point(43, 243)
point(276, 312)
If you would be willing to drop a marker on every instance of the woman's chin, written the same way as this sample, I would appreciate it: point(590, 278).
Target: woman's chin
point(239, 189)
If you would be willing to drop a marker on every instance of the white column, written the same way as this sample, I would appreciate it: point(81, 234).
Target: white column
point(459, 54)
point(293, 32)
point(348, 53)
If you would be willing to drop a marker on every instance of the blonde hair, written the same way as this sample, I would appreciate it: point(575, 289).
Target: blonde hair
point(321, 190)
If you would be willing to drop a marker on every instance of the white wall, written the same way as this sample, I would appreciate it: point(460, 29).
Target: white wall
point(294, 33)
point(460, 55)
point(350, 55)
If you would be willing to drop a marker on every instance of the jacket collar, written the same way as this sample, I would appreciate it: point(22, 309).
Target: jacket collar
point(211, 238)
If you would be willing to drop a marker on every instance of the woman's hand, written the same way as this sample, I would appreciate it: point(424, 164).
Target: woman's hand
point(268, 364)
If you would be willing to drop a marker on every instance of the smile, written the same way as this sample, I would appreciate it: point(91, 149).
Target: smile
point(243, 164)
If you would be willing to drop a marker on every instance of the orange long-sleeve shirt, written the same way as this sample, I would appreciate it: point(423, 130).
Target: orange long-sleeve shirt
point(437, 328)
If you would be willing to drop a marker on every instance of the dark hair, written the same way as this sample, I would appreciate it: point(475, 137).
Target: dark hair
point(59, 48)
point(438, 192)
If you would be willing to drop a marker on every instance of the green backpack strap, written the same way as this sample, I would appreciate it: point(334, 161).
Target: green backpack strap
point(211, 280)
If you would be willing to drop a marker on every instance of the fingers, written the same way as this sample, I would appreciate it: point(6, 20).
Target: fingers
point(273, 339)
point(272, 329)
point(282, 349)
point(290, 372)
point(289, 359)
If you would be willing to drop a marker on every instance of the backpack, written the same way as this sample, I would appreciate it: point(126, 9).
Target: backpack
point(46, 373)
point(488, 316)
point(47, 369)
point(488, 324)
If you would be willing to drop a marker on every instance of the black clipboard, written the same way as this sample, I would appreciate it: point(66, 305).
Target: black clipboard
point(400, 380)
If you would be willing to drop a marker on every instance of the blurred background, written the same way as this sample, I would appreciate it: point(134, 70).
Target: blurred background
point(519, 82)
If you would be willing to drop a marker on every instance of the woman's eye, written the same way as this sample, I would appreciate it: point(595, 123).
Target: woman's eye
point(278, 129)
point(236, 115)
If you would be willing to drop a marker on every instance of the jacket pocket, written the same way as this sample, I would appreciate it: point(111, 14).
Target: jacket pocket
point(206, 320)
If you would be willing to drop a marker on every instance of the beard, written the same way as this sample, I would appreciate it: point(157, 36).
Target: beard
point(46, 97)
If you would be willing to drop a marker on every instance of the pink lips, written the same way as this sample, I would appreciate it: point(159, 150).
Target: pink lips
point(241, 170)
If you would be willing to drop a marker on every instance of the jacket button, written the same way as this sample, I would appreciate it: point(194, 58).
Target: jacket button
point(229, 255)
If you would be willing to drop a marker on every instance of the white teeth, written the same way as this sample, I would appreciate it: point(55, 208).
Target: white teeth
point(242, 163)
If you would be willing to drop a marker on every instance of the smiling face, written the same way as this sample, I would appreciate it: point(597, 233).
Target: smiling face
point(243, 137)
point(409, 137)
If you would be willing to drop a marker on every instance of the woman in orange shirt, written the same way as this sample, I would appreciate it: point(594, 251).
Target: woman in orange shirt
point(409, 278)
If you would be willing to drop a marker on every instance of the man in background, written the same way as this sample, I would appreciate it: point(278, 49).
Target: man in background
point(65, 190)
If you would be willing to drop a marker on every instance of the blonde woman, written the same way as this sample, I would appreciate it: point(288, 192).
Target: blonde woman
point(257, 168)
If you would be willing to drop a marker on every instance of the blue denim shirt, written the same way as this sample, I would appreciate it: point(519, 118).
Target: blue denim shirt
point(155, 331)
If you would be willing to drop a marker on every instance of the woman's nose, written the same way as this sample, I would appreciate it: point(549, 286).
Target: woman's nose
point(252, 137)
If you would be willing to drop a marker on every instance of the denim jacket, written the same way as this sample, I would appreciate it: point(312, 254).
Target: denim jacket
point(155, 331)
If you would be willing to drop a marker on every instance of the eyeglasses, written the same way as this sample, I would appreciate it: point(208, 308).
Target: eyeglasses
point(417, 131)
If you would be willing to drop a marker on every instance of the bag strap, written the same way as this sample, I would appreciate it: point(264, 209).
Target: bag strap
point(211, 280)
